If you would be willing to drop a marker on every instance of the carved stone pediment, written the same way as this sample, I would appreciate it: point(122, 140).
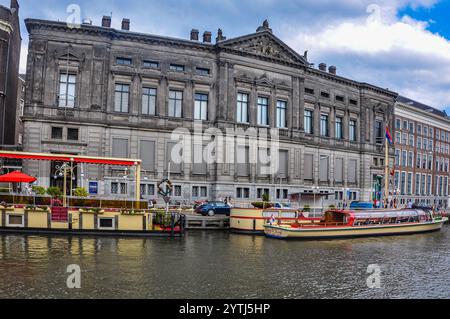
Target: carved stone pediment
point(265, 45)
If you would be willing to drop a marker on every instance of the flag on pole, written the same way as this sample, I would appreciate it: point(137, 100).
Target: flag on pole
point(388, 135)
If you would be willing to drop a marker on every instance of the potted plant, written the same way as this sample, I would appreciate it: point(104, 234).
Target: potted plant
point(5, 206)
point(37, 209)
point(54, 192)
point(127, 211)
point(39, 190)
point(98, 211)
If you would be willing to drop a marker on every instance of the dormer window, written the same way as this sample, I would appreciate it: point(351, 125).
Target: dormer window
point(151, 64)
point(309, 91)
point(203, 71)
point(124, 61)
point(325, 95)
point(177, 67)
point(340, 98)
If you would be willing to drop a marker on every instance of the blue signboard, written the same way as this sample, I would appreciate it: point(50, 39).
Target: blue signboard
point(93, 188)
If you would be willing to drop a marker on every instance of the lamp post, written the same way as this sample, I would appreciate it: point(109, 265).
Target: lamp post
point(62, 171)
point(315, 189)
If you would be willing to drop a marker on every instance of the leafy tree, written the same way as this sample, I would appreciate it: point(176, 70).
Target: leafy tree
point(54, 192)
point(39, 190)
point(80, 192)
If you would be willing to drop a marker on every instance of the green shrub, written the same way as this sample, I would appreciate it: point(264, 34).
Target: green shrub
point(262, 205)
point(265, 197)
point(80, 192)
point(307, 209)
point(332, 207)
point(54, 192)
point(39, 190)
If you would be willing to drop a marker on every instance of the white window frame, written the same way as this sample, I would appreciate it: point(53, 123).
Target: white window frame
point(113, 227)
point(8, 224)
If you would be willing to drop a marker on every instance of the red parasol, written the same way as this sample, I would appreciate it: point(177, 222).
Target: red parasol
point(17, 177)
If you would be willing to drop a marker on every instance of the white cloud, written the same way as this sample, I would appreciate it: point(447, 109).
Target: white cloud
point(23, 57)
point(400, 54)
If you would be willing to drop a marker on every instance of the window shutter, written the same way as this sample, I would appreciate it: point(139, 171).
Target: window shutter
point(283, 162)
point(119, 148)
point(147, 154)
point(308, 167)
point(338, 169)
point(352, 171)
point(175, 167)
point(323, 170)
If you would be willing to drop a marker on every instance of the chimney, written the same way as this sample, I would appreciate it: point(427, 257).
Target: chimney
point(126, 24)
point(332, 69)
point(207, 37)
point(194, 35)
point(323, 67)
point(106, 22)
point(14, 5)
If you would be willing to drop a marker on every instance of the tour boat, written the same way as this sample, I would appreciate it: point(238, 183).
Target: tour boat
point(344, 224)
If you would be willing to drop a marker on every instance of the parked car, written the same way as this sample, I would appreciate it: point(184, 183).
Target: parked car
point(279, 205)
point(213, 208)
point(361, 205)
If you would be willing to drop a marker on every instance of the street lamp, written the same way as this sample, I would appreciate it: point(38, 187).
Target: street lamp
point(315, 189)
point(62, 170)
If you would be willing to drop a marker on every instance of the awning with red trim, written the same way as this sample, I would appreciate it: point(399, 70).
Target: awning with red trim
point(70, 158)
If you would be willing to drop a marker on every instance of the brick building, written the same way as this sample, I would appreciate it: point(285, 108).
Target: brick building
point(422, 154)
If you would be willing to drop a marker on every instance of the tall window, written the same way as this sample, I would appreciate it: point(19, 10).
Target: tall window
point(201, 107)
point(417, 188)
point(281, 114)
point(352, 131)
point(397, 157)
point(122, 98)
point(263, 111)
point(242, 108)
point(308, 122)
point(403, 183)
point(339, 128)
point(404, 159)
point(175, 103)
point(324, 125)
point(379, 132)
point(409, 184)
point(148, 101)
point(67, 83)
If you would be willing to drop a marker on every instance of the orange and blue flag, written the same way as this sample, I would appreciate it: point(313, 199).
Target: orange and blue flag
point(388, 135)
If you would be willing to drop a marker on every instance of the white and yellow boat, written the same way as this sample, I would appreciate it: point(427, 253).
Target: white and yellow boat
point(345, 224)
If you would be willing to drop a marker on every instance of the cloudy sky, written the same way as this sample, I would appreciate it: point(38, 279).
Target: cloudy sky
point(403, 45)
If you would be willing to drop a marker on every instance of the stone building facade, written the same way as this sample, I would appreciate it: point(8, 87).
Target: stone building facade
point(98, 91)
point(10, 41)
point(422, 154)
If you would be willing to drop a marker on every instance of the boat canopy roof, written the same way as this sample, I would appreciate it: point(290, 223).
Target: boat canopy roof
point(388, 214)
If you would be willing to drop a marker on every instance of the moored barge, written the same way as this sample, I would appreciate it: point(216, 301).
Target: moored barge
point(347, 224)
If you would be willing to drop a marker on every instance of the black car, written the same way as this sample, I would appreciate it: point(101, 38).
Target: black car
point(213, 208)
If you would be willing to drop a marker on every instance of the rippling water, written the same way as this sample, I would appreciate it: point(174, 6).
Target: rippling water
point(222, 265)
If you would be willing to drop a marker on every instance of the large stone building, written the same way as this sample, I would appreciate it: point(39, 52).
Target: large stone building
point(94, 90)
point(422, 154)
point(10, 41)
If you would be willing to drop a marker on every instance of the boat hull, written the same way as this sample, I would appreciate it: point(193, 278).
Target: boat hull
point(280, 232)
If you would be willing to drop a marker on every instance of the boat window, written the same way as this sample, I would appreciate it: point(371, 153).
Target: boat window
point(106, 223)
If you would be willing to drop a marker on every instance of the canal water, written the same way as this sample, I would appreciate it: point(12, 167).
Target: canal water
point(223, 265)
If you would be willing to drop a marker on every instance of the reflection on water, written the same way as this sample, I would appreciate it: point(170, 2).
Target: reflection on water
point(222, 265)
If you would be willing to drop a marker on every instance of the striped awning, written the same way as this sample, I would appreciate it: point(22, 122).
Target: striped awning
point(70, 158)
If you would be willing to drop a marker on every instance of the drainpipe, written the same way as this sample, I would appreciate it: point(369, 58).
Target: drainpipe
point(4, 92)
